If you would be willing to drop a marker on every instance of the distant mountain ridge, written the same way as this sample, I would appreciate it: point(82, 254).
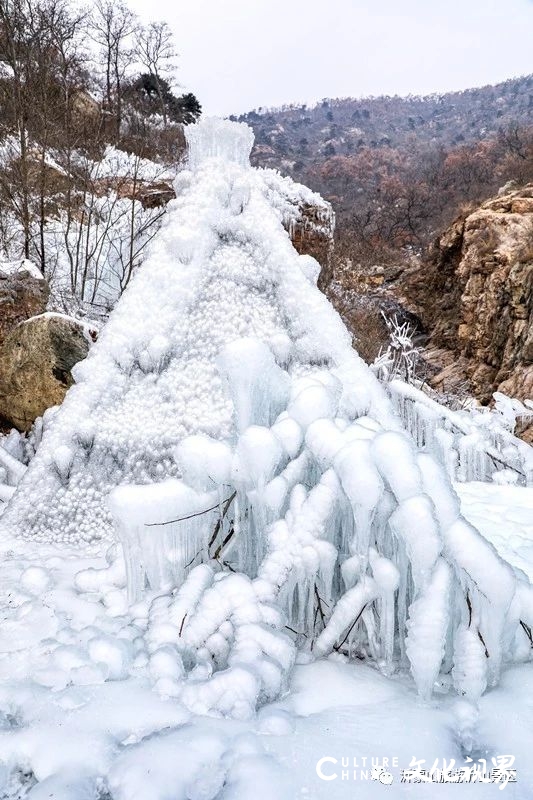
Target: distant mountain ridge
point(294, 137)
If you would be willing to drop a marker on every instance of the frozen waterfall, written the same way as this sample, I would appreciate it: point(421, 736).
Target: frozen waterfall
point(259, 480)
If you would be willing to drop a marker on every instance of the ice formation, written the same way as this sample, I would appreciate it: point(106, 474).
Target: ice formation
point(474, 444)
point(261, 486)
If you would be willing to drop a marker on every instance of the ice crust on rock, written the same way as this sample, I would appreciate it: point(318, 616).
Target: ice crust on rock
point(262, 490)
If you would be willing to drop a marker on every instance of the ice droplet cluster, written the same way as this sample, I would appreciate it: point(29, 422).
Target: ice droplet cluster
point(262, 489)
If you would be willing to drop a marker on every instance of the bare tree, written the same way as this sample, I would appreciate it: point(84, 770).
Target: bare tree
point(156, 53)
point(104, 241)
point(82, 216)
point(114, 26)
point(40, 42)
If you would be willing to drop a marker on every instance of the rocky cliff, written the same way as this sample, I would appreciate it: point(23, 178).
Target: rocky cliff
point(469, 302)
point(475, 296)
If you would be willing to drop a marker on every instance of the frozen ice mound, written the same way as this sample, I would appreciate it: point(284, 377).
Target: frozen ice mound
point(262, 489)
point(221, 269)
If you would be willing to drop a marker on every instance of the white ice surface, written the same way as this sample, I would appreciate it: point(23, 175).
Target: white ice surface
point(504, 515)
point(77, 716)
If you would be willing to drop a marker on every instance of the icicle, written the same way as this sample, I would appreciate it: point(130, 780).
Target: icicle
point(259, 388)
point(470, 664)
point(363, 487)
point(162, 529)
point(427, 627)
point(387, 577)
point(347, 611)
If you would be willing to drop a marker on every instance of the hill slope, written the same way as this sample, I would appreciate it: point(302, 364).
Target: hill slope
point(296, 136)
point(398, 170)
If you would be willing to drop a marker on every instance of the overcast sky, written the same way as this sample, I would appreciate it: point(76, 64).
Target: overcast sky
point(241, 54)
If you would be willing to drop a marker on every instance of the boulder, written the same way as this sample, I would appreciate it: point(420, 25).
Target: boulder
point(23, 294)
point(36, 359)
point(86, 110)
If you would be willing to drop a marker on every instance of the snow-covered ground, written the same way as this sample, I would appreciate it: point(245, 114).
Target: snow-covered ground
point(78, 721)
point(504, 515)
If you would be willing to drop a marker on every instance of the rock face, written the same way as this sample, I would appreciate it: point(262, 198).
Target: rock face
point(36, 359)
point(312, 235)
point(308, 219)
point(23, 294)
point(150, 194)
point(476, 297)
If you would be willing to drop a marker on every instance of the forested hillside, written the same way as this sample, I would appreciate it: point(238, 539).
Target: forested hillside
point(91, 122)
point(341, 126)
point(398, 170)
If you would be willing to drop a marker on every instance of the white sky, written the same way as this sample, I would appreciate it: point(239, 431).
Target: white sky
point(241, 54)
